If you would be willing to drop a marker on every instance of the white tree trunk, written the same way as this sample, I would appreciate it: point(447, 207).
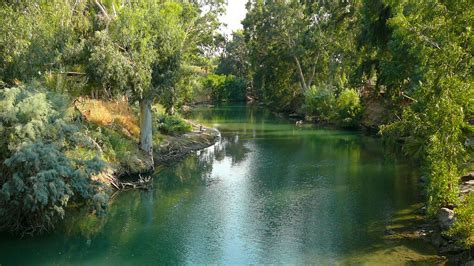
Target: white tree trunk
point(306, 84)
point(146, 134)
point(304, 87)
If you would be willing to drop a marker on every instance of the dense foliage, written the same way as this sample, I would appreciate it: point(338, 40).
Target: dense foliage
point(225, 87)
point(412, 60)
point(144, 52)
point(37, 179)
point(463, 229)
point(345, 109)
point(320, 101)
point(348, 108)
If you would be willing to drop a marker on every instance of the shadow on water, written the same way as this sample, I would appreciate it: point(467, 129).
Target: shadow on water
point(268, 192)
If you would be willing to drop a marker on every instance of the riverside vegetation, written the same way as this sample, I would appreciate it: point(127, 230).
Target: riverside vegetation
point(88, 84)
point(402, 69)
point(83, 86)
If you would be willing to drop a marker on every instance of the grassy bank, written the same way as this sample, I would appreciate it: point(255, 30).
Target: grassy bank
point(114, 126)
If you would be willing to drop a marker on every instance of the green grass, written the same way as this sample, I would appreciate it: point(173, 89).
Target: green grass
point(463, 228)
point(172, 125)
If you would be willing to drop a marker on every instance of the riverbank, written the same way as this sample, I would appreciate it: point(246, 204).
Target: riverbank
point(117, 138)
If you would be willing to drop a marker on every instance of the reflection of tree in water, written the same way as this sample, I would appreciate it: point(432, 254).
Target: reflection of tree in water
point(138, 209)
point(232, 147)
point(82, 222)
point(229, 114)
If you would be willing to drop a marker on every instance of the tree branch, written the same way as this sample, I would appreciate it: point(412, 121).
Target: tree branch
point(69, 73)
point(102, 9)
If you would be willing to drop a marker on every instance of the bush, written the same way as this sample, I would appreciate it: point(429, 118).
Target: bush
point(463, 227)
point(225, 88)
point(348, 108)
point(319, 101)
point(38, 180)
point(173, 125)
point(41, 184)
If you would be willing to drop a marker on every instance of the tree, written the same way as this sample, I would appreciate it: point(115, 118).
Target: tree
point(150, 42)
point(309, 42)
point(434, 127)
point(234, 58)
point(35, 36)
point(138, 54)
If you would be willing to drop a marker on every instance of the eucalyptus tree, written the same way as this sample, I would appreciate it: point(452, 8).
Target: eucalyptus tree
point(297, 42)
point(35, 36)
point(234, 58)
point(200, 43)
point(142, 49)
point(148, 36)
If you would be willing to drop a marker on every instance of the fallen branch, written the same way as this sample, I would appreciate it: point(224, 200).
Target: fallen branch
point(142, 183)
point(69, 73)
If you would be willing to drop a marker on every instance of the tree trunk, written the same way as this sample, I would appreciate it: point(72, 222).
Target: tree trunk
point(306, 84)
point(146, 135)
point(300, 74)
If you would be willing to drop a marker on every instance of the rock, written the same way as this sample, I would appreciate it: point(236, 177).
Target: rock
point(186, 108)
point(436, 239)
point(450, 249)
point(467, 187)
point(445, 218)
point(421, 210)
point(468, 177)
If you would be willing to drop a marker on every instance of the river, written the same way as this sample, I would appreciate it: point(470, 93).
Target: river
point(268, 192)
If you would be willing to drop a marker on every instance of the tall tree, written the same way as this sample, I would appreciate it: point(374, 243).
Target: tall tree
point(308, 41)
point(143, 48)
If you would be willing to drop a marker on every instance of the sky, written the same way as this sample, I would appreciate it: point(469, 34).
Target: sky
point(235, 14)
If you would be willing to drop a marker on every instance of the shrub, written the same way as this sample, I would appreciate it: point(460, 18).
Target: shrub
point(431, 131)
point(348, 108)
point(40, 185)
point(319, 101)
point(463, 227)
point(116, 146)
point(38, 180)
point(173, 125)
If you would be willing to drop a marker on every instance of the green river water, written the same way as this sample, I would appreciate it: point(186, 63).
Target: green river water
point(268, 192)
